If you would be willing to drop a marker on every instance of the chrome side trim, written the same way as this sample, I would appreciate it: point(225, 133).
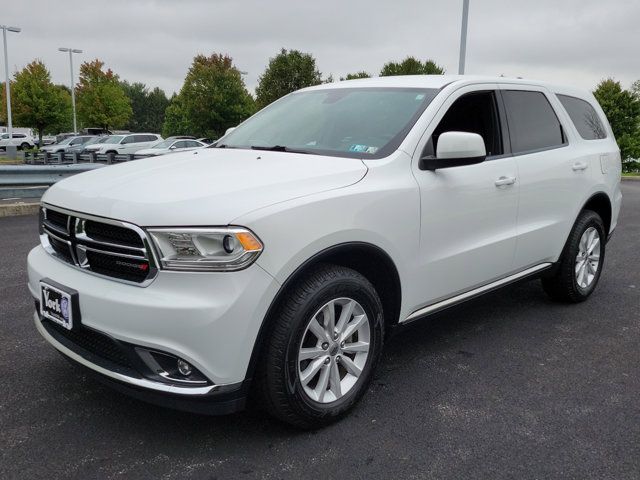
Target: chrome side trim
point(449, 302)
point(137, 382)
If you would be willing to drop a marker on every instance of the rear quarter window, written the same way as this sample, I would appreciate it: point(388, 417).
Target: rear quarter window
point(533, 124)
point(584, 117)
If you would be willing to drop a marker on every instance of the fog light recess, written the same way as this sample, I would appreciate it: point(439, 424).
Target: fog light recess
point(169, 368)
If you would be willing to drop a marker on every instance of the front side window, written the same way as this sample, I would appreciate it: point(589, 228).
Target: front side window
point(342, 122)
point(113, 139)
point(475, 112)
point(164, 144)
point(533, 125)
point(584, 117)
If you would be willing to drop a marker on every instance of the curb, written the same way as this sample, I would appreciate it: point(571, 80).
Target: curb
point(16, 209)
point(633, 178)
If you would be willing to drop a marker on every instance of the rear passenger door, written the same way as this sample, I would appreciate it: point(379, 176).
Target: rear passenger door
point(552, 179)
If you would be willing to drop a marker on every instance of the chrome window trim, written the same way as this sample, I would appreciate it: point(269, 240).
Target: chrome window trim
point(147, 248)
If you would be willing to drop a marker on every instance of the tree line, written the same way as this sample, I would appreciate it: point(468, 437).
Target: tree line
point(214, 97)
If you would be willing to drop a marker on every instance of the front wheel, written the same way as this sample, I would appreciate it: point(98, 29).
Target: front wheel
point(323, 348)
point(24, 146)
point(581, 263)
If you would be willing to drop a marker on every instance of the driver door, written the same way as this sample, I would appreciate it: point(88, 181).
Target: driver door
point(468, 213)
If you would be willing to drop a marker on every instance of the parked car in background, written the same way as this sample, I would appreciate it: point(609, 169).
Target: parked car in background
point(62, 136)
point(21, 140)
point(206, 140)
point(168, 146)
point(91, 140)
point(68, 142)
point(46, 140)
point(124, 144)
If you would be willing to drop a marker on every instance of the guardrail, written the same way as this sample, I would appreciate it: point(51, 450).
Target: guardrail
point(46, 158)
point(21, 181)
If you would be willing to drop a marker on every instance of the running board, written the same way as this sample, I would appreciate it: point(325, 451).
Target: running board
point(463, 297)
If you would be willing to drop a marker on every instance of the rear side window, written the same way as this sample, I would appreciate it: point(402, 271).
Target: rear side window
point(533, 125)
point(584, 117)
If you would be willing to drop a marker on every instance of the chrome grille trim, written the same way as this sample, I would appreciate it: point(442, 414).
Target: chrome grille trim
point(79, 242)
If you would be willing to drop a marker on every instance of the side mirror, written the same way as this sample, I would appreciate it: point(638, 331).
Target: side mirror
point(229, 130)
point(456, 149)
point(172, 147)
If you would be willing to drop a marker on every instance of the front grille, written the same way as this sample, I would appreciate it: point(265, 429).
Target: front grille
point(112, 233)
point(82, 339)
point(120, 267)
point(105, 247)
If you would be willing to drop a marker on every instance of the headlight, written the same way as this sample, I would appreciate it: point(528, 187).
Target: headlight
point(206, 249)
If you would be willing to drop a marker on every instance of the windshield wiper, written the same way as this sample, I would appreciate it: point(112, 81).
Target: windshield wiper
point(279, 148)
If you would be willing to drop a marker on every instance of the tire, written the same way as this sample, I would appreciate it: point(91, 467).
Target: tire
point(575, 278)
point(331, 392)
point(24, 146)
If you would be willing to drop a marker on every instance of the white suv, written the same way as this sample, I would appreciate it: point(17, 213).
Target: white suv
point(277, 261)
point(21, 140)
point(124, 144)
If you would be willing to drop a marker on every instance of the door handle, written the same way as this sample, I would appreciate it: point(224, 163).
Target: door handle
point(579, 166)
point(504, 181)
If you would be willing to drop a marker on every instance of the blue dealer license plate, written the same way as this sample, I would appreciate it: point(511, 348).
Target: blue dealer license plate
point(56, 305)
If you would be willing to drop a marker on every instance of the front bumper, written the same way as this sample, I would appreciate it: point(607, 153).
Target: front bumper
point(211, 320)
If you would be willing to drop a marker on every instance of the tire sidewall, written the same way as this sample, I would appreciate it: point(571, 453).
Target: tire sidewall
point(368, 299)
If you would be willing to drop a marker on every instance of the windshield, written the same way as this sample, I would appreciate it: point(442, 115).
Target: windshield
point(66, 141)
point(165, 144)
point(113, 139)
point(344, 122)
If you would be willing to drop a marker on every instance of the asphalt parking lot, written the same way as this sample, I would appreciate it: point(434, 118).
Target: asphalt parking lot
point(511, 386)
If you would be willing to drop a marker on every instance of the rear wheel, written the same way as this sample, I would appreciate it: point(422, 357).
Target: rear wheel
point(24, 146)
point(582, 261)
point(323, 349)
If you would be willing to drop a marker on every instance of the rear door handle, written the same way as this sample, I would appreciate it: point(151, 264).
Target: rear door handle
point(579, 166)
point(504, 181)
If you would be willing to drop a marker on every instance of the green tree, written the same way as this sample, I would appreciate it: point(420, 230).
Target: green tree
point(354, 76)
point(411, 66)
point(36, 102)
point(212, 99)
point(287, 72)
point(176, 120)
point(101, 100)
point(622, 108)
point(148, 107)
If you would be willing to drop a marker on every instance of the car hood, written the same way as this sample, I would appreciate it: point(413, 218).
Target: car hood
point(205, 187)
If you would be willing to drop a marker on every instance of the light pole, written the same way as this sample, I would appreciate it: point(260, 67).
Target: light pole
point(10, 152)
point(73, 90)
point(463, 36)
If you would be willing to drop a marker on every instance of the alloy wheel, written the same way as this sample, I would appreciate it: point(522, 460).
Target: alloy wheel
point(334, 350)
point(588, 258)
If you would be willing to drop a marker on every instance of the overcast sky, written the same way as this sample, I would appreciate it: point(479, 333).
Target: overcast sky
point(577, 42)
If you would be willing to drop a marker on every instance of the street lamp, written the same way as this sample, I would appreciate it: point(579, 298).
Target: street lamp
point(463, 36)
point(73, 90)
point(4, 28)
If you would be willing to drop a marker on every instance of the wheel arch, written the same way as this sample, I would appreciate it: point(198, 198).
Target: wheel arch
point(369, 260)
point(601, 204)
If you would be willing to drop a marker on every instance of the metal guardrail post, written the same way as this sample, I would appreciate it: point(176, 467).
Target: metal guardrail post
point(45, 158)
point(60, 157)
point(75, 157)
point(130, 157)
point(92, 157)
point(110, 158)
